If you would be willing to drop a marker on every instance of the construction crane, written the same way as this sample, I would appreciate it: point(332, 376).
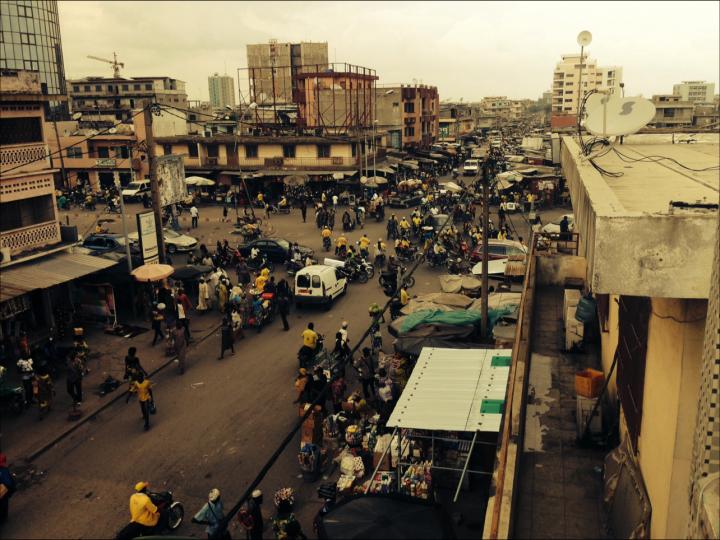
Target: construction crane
point(114, 62)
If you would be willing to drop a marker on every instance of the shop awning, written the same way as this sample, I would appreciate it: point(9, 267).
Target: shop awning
point(268, 173)
point(455, 390)
point(47, 272)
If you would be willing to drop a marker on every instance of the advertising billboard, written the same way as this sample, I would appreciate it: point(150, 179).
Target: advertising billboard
point(147, 237)
point(170, 172)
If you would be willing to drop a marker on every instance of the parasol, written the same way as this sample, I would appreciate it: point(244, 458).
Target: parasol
point(152, 272)
point(199, 181)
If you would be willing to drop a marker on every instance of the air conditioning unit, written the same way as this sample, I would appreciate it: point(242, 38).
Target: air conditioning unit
point(5, 255)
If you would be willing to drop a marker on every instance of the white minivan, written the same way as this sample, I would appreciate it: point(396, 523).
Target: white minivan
point(318, 284)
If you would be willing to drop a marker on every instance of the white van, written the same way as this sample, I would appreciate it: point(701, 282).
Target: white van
point(471, 167)
point(135, 190)
point(318, 284)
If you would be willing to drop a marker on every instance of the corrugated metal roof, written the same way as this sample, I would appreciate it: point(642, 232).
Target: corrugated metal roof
point(447, 388)
point(48, 271)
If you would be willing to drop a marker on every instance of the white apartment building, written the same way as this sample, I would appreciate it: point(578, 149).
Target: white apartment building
point(222, 90)
point(695, 91)
point(567, 77)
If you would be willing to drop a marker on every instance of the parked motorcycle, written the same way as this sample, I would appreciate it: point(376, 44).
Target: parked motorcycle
point(172, 514)
point(11, 396)
point(353, 272)
point(293, 267)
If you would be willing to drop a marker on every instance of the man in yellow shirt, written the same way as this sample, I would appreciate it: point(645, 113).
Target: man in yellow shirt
point(144, 515)
point(310, 337)
point(404, 298)
point(341, 245)
point(142, 386)
point(364, 244)
point(404, 224)
point(326, 232)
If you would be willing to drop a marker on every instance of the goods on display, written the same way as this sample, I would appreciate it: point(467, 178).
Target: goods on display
point(417, 480)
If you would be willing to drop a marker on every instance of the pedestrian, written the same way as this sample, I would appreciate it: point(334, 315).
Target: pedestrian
point(225, 213)
point(267, 211)
point(181, 341)
point(27, 373)
point(303, 210)
point(157, 320)
point(203, 296)
point(338, 388)
point(243, 272)
point(255, 511)
point(75, 373)
point(284, 309)
point(335, 201)
point(364, 368)
point(7, 488)
point(194, 214)
point(345, 341)
point(211, 514)
point(226, 339)
point(142, 388)
point(184, 306)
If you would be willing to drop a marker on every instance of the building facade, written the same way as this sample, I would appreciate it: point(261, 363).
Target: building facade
point(272, 68)
point(413, 110)
point(30, 40)
point(567, 78)
point(695, 91)
point(671, 111)
point(28, 213)
point(222, 90)
point(104, 99)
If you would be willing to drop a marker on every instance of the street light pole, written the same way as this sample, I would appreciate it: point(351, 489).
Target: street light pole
point(122, 208)
point(154, 187)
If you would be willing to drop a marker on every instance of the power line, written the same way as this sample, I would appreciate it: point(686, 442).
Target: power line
point(222, 527)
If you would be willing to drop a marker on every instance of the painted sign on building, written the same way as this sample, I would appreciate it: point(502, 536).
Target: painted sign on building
point(170, 174)
point(147, 236)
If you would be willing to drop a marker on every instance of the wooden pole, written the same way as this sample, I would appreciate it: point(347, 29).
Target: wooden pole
point(154, 187)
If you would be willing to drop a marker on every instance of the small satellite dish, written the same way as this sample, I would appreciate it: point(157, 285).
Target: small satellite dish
point(77, 116)
point(112, 130)
point(614, 115)
point(584, 38)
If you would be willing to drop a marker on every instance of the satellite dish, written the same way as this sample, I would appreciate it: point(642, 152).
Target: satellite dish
point(614, 115)
point(77, 116)
point(584, 38)
point(112, 130)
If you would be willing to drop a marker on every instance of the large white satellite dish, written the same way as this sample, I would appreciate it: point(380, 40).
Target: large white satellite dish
point(613, 115)
point(584, 38)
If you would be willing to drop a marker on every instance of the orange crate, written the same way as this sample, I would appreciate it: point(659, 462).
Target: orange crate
point(589, 382)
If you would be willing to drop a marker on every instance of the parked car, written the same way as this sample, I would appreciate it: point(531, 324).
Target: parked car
point(319, 284)
point(275, 249)
point(102, 243)
point(174, 241)
point(471, 167)
point(135, 190)
point(554, 226)
point(498, 249)
point(406, 200)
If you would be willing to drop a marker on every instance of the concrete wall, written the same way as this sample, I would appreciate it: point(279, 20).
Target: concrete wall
point(556, 268)
point(608, 344)
point(653, 255)
point(672, 372)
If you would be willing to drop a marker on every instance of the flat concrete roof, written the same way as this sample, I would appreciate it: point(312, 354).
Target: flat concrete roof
point(650, 185)
point(634, 242)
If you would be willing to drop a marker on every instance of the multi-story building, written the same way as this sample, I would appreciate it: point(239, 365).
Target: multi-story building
point(671, 111)
point(695, 91)
point(500, 106)
point(222, 90)
point(104, 99)
point(30, 40)
point(570, 73)
point(410, 112)
point(706, 114)
point(272, 68)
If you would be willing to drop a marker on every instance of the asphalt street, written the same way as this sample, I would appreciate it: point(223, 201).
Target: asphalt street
point(216, 425)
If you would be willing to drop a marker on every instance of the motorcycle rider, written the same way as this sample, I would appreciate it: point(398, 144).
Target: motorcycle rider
point(439, 253)
point(310, 338)
point(283, 202)
point(364, 244)
point(341, 245)
point(326, 237)
point(402, 247)
point(404, 227)
point(143, 512)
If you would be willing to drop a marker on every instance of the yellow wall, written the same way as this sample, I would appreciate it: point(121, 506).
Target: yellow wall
point(341, 150)
point(270, 150)
point(672, 373)
point(305, 150)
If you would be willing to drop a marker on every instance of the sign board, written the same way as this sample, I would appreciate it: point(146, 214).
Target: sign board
point(147, 236)
point(170, 172)
point(105, 162)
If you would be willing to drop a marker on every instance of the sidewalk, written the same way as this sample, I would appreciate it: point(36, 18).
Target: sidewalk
point(24, 436)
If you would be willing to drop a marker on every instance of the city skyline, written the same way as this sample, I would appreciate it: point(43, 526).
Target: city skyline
point(435, 41)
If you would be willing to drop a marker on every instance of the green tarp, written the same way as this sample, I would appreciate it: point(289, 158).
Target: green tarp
point(454, 318)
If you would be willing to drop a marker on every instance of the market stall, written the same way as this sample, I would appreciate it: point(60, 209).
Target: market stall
point(447, 420)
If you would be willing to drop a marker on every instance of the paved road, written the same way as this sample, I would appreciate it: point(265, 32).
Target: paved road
point(216, 425)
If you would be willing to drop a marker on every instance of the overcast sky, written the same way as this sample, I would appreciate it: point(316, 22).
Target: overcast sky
point(466, 49)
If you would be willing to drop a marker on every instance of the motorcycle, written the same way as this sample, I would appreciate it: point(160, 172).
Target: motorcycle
point(293, 266)
point(327, 243)
point(172, 514)
point(308, 357)
point(408, 255)
point(353, 272)
point(388, 280)
point(261, 261)
point(367, 266)
point(436, 260)
point(264, 313)
point(458, 266)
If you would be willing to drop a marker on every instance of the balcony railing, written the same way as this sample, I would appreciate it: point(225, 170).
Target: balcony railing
point(26, 157)
point(37, 235)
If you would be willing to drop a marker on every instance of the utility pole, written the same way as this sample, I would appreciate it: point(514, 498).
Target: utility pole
point(63, 172)
point(154, 187)
point(116, 176)
point(487, 164)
